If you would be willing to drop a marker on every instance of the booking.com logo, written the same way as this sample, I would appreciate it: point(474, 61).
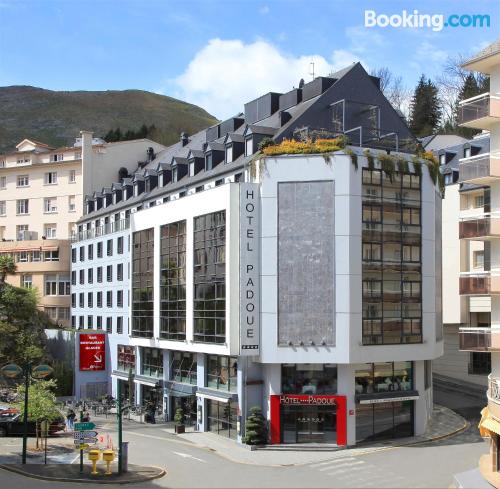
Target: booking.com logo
point(414, 20)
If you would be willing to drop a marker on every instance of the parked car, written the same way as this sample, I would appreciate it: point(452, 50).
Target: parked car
point(12, 425)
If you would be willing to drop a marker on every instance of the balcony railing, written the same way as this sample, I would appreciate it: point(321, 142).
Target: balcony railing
point(484, 227)
point(483, 283)
point(479, 339)
point(479, 111)
point(494, 396)
point(112, 227)
point(480, 169)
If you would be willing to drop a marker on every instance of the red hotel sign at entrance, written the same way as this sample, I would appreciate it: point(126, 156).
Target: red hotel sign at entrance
point(278, 400)
point(92, 351)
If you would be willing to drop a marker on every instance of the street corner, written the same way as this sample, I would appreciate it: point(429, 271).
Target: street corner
point(71, 473)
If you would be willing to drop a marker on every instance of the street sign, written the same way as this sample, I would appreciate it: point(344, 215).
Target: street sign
point(11, 370)
point(92, 351)
point(85, 440)
point(81, 446)
point(42, 371)
point(88, 425)
point(84, 434)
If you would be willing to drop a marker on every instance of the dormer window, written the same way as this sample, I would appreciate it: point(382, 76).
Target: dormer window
point(248, 146)
point(442, 159)
point(191, 168)
point(467, 152)
point(174, 174)
point(229, 153)
point(208, 161)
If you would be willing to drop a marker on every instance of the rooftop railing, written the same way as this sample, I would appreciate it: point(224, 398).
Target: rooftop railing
point(111, 227)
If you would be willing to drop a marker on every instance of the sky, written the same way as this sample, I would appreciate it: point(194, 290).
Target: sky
point(220, 54)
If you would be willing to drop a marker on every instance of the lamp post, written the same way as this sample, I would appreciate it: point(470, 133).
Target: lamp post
point(13, 371)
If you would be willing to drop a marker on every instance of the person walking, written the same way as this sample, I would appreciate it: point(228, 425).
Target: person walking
point(70, 419)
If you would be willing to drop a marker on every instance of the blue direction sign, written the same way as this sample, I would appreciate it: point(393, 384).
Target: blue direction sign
point(84, 434)
point(84, 426)
point(85, 440)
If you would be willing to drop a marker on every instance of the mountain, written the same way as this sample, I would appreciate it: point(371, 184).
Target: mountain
point(56, 117)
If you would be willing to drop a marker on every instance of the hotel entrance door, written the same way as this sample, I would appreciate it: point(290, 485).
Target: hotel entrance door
point(309, 424)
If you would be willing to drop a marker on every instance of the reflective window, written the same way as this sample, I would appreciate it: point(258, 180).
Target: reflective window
point(308, 378)
point(222, 372)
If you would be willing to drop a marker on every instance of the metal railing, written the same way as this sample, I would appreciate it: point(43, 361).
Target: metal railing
point(484, 166)
point(475, 108)
point(111, 227)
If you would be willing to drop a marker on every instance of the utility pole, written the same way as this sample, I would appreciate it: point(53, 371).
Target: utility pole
point(27, 373)
point(120, 431)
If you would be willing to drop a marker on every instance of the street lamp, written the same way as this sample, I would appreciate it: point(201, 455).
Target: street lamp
point(12, 371)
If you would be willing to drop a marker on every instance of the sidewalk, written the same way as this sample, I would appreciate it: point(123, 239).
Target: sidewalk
point(444, 423)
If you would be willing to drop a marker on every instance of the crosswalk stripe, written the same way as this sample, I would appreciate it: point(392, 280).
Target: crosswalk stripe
point(334, 460)
point(348, 464)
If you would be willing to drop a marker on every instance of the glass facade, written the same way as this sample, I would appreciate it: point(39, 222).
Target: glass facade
point(392, 272)
point(209, 278)
point(222, 418)
point(184, 367)
point(384, 420)
point(308, 424)
point(126, 358)
point(222, 372)
point(173, 281)
point(152, 362)
point(384, 377)
point(308, 378)
point(142, 283)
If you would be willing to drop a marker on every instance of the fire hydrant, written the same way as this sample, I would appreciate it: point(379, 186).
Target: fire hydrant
point(94, 457)
point(108, 456)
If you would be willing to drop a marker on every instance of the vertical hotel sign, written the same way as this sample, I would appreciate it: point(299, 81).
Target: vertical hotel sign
point(249, 269)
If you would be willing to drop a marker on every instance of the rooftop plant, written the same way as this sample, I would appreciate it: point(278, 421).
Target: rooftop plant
point(290, 147)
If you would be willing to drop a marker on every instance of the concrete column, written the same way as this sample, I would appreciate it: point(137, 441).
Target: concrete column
point(345, 387)
point(272, 385)
point(421, 414)
point(167, 360)
point(201, 404)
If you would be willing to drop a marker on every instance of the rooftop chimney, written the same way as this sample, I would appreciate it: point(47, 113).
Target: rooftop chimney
point(184, 138)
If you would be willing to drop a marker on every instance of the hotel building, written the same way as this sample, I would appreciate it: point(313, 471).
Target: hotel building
point(307, 285)
point(41, 198)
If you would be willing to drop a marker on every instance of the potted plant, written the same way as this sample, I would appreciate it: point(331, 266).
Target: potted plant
point(255, 428)
point(179, 421)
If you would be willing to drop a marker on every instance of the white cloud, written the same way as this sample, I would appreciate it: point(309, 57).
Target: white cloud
point(364, 40)
point(225, 74)
point(264, 10)
point(427, 58)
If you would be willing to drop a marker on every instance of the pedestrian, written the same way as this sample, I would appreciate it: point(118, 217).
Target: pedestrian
point(86, 417)
point(70, 419)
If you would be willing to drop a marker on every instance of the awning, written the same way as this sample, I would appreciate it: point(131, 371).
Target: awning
point(212, 397)
point(50, 248)
point(392, 396)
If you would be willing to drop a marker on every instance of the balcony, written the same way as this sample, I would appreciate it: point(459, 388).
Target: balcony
point(483, 283)
point(112, 227)
point(479, 112)
point(479, 339)
point(481, 169)
point(494, 396)
point(481, 228)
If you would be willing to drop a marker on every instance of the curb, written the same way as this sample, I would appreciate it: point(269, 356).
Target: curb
point(81, 481)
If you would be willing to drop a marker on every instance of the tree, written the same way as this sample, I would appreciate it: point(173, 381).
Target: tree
point(425, 108)
point(393, 89)
point(255, 428)
point(179, 416)
point(7, 267)
point(42, 404)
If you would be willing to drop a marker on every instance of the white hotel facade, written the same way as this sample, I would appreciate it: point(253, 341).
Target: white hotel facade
point(306, 285)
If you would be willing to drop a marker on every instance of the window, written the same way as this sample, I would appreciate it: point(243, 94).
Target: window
point(22, 256)
point(222, 372)
point(73, 300)
point(98, 324)
point(119, 298)
point(50, 205)
point(248, 146)
point(99, 299)
point(152, 362)
point(99, 249)
point(109, 324)
point(119, 325)
point(22, 206)
point(73, 321)
point(308, 378)
point(222, 418)
point(229, 153)
point(448, 179)
point(174, 174)
point(479, 201)
point(209, 278)
point(427, 374)
point(80, 322)
point(479, 363)
point(109, 298)
point(2, 163)
point(73, 277)
point(51, 255)
point(191, 168)
point(57, 285)
point(23, 180)
point(72, 176)
point(90, 299)
point(109, 273)
point(142, 283)
point(51, 178)
point(384, 377)
point(90, 251)
point(219, 182)
point(73, 255)
point(126, 358)
point(81, 299)
point(109, 247)
point(442, 159)
point(27, 281)
point(82, 253)
point(478, 259)
point(208, 161)
point(50, 230)
point(99, 274)
point(199, 189)
point(82, 277)
point(239, 177)
point(119, 245)
point(467, 152)
point(57, 157)
point(90, 322)
point(90, 275)
point(184, 367)
point(71, 203)
point(3, 182)
point(51, 312)
point(119, 272)
point(173, 281)
point(3, 208)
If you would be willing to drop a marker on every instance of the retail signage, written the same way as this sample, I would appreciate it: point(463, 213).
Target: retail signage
point(388, 399)
point(92, 351)
point(308, 400)
point(249, 269)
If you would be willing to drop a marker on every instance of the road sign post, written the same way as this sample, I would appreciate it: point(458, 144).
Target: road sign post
point(81, 449)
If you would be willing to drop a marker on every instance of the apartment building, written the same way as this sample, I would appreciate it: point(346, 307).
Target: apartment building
point(307, 285)
point(42, 197)
point(483, 112)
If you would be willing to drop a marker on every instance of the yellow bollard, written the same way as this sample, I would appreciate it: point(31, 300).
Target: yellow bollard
point(94, 457)
point(108, 456)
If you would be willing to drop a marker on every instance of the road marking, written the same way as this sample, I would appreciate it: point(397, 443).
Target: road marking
point(338, 466)
point(343, 459)
point(75, 459)
point(187, 455)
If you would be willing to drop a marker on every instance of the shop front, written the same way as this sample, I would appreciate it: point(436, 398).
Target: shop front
point(182, 396)
point(298, 418)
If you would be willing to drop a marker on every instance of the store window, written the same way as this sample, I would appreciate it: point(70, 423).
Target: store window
point(184, 367)
point(222, 372)
point(384, 377)
point(152, 362)
point(308, 378)
point(222, 418)
point(126, 358)
point(479, 363)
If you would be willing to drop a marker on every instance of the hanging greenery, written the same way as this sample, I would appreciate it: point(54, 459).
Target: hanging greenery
point(291, 147)
point(388, 165)
point(354, 157)
point(402, 165)
point(370, 158)
point(417, 165)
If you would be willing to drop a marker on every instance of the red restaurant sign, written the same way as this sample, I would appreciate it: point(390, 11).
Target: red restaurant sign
point(92, 351)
